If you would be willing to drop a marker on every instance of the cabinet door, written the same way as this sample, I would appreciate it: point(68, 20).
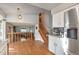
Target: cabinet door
point(73, 19)
point(59, 48)
point(51, 44)
point(58, 19)
point(55, 45)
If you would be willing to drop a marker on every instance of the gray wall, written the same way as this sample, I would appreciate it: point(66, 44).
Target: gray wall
point(48, 21)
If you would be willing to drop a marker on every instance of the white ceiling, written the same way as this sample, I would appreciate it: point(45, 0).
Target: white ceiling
point(47, 6)
point(28, 8)
point(11, 8)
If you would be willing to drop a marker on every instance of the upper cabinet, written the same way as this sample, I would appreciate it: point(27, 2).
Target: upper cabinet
point(71, 18)
point(58, 19)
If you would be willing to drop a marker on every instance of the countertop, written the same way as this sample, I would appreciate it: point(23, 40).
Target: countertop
point(60, 36)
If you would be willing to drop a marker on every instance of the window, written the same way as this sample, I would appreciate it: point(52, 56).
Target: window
point(23, 30)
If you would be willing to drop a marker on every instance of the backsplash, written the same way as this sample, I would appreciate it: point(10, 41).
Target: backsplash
point(57, 31)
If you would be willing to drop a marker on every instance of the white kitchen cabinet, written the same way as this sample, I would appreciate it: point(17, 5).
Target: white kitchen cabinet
point(71, 18)
point(58, 19)
point(55, 45)
point(51, 44)
point(59, 47)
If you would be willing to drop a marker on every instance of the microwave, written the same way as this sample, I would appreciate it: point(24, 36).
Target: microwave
point(72, 33)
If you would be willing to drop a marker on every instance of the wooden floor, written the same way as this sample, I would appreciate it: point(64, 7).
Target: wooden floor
point(28, 47)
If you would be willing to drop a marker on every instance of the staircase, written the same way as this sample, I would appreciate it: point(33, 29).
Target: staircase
point(42, 30)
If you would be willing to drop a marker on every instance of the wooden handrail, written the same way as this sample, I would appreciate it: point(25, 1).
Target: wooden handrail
point(43, 36)
point(42, 29)
point(43, 33)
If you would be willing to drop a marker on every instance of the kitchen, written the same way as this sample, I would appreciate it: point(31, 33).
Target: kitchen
point(64, 32)
point(62, 29)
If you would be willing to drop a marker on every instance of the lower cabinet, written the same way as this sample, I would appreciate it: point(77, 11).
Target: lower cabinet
point(55, 45)
point(51, 44)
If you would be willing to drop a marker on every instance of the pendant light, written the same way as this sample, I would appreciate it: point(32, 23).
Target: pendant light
point(19, 16)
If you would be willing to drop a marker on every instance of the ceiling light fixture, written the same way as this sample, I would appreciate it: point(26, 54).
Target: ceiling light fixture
point(19, 16)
